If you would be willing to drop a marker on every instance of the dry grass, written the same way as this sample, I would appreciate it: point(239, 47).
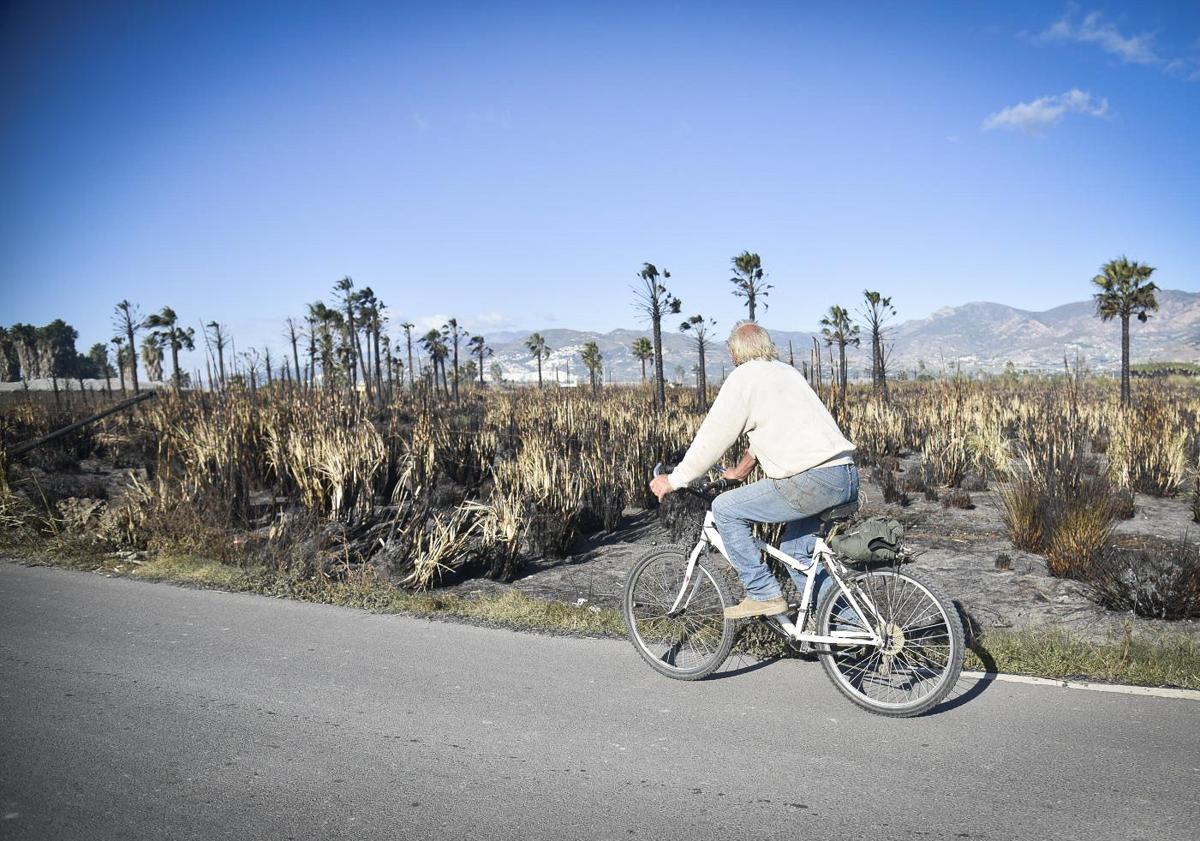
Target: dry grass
point(510, 475)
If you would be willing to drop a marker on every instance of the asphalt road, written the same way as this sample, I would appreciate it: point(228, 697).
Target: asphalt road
point(147, 711)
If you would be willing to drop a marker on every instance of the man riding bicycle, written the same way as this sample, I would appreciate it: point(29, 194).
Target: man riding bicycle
point(809, 464)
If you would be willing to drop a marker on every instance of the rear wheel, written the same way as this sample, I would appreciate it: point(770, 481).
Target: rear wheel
point(921, 655)
point(691, 641)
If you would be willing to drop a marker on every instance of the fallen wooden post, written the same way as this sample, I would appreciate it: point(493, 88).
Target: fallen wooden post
point(25, 447)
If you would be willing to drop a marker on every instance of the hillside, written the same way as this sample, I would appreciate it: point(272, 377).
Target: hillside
point(980, 336)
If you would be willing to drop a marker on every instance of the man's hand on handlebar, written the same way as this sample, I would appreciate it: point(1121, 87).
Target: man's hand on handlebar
point(660, 486)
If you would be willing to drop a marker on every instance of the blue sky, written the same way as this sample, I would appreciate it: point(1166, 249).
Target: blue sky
point(514, 164)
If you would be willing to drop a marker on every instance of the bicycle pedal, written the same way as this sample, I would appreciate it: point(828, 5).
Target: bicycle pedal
point(805, 650)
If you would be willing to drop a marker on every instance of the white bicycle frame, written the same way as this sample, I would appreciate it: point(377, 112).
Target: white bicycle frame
point(822, 557)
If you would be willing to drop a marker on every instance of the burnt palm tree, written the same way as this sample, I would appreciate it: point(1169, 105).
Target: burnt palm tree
point(876, 311)
point(1125, 290)
point(127, 320)
point(654, 301)
point(118, 343)
point(217, 335)
point(164, 326)
point(537, 346)
point(293, 336)
point(452, 331)
point(408, 328)
point(593, 359)
point(643, 351)
point(311, 334)
point(435, 346)
point(371, 315)
point(326, 323)
point(350, 301)
point(838, 330)
point(480, 349)
point(152, 356)
point(698, 326)
point(748, 280)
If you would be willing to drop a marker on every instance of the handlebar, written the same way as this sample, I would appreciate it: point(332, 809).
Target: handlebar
point(706, 490)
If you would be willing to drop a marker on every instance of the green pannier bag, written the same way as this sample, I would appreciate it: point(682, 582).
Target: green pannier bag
point(873, 539)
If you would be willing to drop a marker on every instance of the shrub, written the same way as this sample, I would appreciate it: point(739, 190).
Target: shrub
point(1158, 583)
point(973, 482)
point(1052, 505)
point(892, 492)
point(1004, 561)
point(1196, 495)
point(1078, 523)
point(957, 498)
point(1123, 507)
point(1020, 509)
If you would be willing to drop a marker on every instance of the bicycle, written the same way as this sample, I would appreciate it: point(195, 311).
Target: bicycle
point(889, 641)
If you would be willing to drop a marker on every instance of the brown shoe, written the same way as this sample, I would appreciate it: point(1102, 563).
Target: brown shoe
point(748, 607)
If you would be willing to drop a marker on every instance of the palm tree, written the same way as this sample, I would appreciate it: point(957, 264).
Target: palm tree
point(350, 303)
point(370, 310)
point(838, 330)
point(218, 334)
point(293, 334)
point(164, 325)
point(311, 334)
point(1125, 290)
point(643, 351)
point(479, 348)
point(654, 301)
point(118, 343)
point(537, 346)
point(698, 326)
point(454, 333)
point(127, 319)
point(435, 346)
point(408, 328)
point(748, 280)
point(877, 310)
point(326, 322)
point(594, 360)
point(152, 355)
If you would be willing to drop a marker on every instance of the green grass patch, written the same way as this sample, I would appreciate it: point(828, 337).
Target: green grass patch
point(1167, 661)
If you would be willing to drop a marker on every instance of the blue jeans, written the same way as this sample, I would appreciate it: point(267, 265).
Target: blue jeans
point(796, 501)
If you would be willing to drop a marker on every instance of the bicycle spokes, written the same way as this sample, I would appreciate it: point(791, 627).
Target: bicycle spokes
point(915, 652)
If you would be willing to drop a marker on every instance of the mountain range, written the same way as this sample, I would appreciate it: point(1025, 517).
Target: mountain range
point(976, 337)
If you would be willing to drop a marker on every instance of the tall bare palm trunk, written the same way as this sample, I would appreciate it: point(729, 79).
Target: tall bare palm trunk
point(1126, 389)
point(660, 390)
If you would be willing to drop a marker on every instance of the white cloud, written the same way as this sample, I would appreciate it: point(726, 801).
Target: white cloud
point(475, 324)
point(425, 323)
point(1034, 117)
point(1093, 29)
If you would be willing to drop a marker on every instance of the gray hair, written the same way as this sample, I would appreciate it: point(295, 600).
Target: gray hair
point(749, 341)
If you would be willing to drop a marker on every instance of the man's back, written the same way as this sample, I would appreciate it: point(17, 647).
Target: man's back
point(789, 428)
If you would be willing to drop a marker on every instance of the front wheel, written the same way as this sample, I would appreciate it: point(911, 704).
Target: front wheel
point(921, 655)
point(690, 641)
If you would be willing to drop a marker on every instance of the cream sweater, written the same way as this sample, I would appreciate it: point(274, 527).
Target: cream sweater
point(789, 428)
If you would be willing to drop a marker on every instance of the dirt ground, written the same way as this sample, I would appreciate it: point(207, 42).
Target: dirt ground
point(957, 549)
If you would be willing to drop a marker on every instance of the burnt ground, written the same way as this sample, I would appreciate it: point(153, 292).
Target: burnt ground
point(955, 548)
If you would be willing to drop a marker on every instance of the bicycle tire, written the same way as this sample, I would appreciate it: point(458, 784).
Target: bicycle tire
point(694, 642)
point(924, 635)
